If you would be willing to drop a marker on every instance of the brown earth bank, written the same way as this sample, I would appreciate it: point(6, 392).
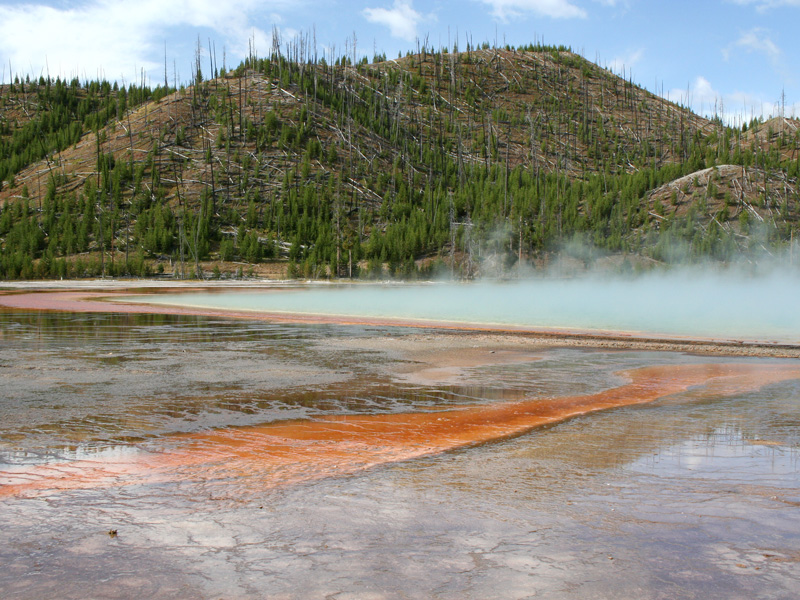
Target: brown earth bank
point(104, 297)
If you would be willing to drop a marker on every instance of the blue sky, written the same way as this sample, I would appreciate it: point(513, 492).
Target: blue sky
point(738, 57)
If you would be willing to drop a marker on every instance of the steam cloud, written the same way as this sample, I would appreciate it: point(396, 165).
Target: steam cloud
point(701, 303)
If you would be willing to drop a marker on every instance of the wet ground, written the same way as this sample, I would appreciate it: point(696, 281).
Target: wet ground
point(694, 494)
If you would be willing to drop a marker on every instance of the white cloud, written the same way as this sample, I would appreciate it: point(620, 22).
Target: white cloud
point(557, 9)
point(626, 61)
point(755, 40)
point(401, 19)
point(620, 6)
point(698, 96)
point(704, 92)
point(733, 107)
point(115, 38)
point(763, 5)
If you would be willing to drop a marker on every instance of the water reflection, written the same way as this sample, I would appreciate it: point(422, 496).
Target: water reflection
point(692, 495)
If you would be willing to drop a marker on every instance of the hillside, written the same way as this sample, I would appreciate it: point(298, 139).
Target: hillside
point(459, 162)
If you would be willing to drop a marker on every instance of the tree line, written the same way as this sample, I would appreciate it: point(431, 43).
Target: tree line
point(338, 167)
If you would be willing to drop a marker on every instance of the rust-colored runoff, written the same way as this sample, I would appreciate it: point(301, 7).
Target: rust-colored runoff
point(264, 456)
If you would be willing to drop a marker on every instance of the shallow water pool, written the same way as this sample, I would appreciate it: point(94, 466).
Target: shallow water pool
point(692, 495)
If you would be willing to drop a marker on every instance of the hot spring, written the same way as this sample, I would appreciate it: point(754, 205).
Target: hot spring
point(691, 305)
point(201, 456)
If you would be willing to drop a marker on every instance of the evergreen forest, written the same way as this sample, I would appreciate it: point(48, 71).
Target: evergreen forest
point(483, 161)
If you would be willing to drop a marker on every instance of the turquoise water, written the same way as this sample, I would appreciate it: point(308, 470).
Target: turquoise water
point(701, 305)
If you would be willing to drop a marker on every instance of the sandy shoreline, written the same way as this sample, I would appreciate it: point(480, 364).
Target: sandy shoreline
point(103, 297)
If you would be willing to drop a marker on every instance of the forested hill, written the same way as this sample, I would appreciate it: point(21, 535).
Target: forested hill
point(471, 163)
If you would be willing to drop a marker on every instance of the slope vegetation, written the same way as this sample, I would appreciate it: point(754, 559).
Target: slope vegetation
point(458, 162)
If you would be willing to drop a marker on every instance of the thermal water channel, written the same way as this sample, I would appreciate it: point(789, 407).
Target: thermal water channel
point(179, 456)
point(697, 305)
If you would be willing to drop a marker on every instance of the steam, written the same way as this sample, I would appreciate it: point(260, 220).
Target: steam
point(731, 304)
